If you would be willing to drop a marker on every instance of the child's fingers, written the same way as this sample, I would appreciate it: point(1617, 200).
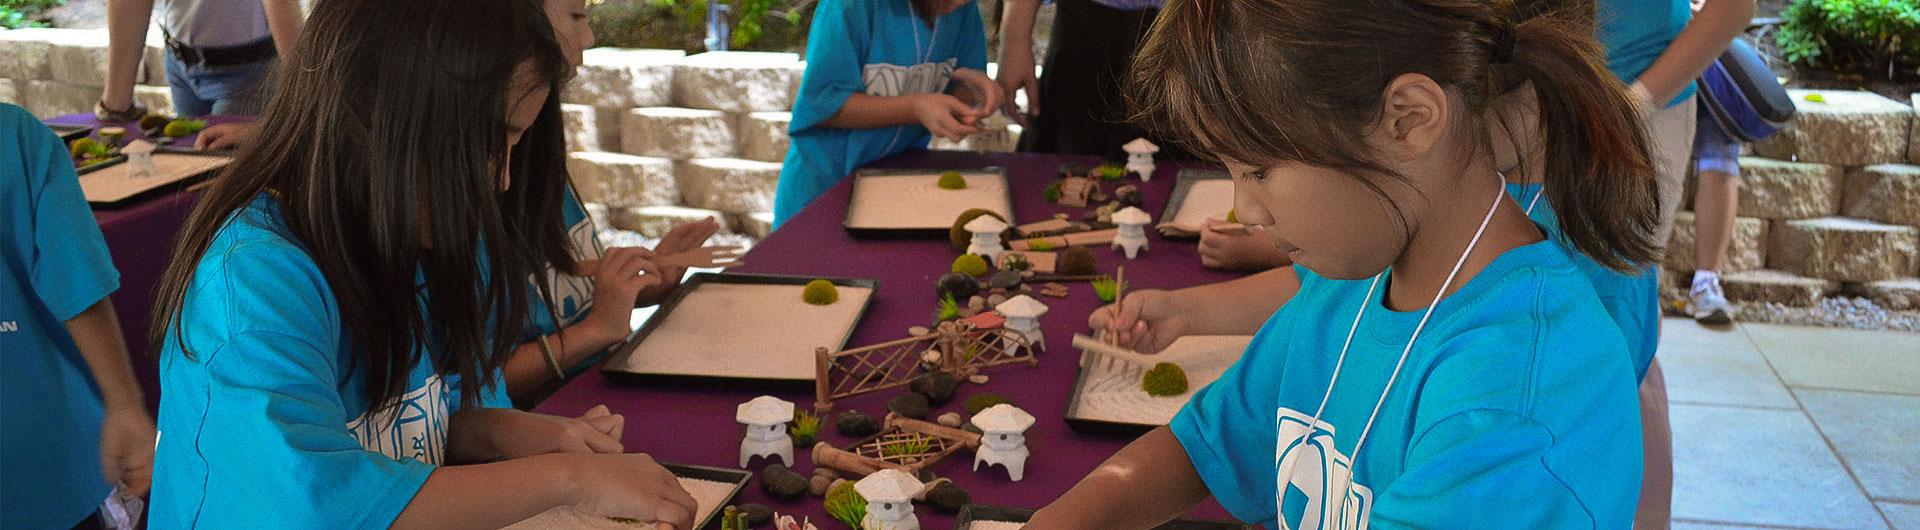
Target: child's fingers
point(611, 425)
point(595, 412)
point(600, 442)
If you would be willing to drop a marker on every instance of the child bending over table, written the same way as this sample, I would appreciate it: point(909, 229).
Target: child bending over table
point(343, 298)
point(1478, 378)
point(882, 77)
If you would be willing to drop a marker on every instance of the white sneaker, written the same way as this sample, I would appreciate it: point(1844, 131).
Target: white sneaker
point(1710, 304)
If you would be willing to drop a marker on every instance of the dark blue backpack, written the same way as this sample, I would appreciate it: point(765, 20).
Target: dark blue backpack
point(1743, 95)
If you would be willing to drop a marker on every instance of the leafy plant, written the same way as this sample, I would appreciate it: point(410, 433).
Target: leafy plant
point(906, 448)
point(1053, 192)
point(1110, 171)
point(1107, 288)
point(1040, 244)
point(17, 14)
point(949, 309)
point(844, 504)
point(1861, 37)
point(805, 424)
point(682, 24)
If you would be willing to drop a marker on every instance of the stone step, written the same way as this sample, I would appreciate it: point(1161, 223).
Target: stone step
point(1776, 287)
point(763, 135)
point(1747, 250)
point(1779, 190)
point(622, 78)
point(156, 98)
point(655, 221)
point(27, 54)
point(591, 128)
point(729, 185)
point(621, 180)
point(677, 133)
point(1898, 294)
point(80, 57)
point(1888, 193)
point(757, 224)
point(1848, 128)
point(1843, 249)
point(738, 81)
point(47, 99)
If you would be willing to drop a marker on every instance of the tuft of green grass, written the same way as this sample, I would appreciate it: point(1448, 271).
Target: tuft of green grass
point(844, 504)
point(1110, 172)
point(915, 447)
point(1040, 244)
point(949, 309)
point(805, 424)
point(1106, 288)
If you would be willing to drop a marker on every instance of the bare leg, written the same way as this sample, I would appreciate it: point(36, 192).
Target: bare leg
point(1714, 207)
point(1656, 481)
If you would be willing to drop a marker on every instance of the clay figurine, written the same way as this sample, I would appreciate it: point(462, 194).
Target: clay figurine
point(889, 494)
point(139, 158)
point(1023, 315)
point(1004, 439)
point(766, 418)
point(986, 237)
point(1140, 157)
point(1133, 230)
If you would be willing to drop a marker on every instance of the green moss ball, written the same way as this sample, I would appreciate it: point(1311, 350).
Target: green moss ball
point(952, 180)
point(1165, 379)
point(820, 292)
point(970, 264)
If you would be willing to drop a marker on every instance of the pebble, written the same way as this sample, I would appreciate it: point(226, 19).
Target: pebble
point(818, 486)
point(1004, 280)
point(976, 303)
point(757, 514)
point(918, 330)
point(824, 471)
point(931, 357)
point(937, 387)
point(978, 379)
point(856, 425)
point(951, 419)
point(996, 300)
point(781, 482)
point(948, 498)
point(910, 405)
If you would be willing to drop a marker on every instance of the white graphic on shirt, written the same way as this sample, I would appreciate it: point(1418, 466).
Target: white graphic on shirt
point(1311, 466)
point(415, 429)
point(573, 295)
point(9, 326)
point(884, 79)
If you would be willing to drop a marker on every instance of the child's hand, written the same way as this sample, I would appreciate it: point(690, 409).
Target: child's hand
point(1147, 322)
point(226, 136)
point(617, 283)
point(979, 91)
point(682, 238)
point(946, 116)
point(630, 486)
point(507, 434)
point(1239, 250)
point(126, 449)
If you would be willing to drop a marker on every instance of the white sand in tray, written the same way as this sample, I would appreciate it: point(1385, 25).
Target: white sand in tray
point(117, 182)
point(747, 331)
point(1206, 199)
point(917, 201)
point(994, 525)
point(709, 495)
point(1110, 394)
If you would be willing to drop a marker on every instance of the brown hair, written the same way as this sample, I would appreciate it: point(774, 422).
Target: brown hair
point(1263, 82)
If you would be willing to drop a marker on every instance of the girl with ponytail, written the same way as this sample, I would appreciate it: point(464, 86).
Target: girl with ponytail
point(1439, 360)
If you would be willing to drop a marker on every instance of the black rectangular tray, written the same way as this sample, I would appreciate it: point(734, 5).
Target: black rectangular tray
point(157, 190)
point(737, 477)
point(1182, 185)
point(982, 512)
point(915, 233)
point(626, 348)
point(70, 133)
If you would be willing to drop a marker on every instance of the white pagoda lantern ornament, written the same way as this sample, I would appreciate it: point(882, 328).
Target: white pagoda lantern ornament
point(766, 418)
point(986, 231)
point(1140, 157)
point(1023, 316)
point(139, 158)
point(889, 494)
point(1133, 230)
point(1003, 439)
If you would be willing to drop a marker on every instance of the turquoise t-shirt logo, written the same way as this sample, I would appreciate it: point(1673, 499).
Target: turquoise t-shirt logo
point(1310, 472)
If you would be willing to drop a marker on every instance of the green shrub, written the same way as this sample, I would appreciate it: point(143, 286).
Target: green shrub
point(1862, 37)
point(765, 25)
point(16, 14)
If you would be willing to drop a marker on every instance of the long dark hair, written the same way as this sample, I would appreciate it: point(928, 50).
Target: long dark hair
point(379, 146)
point(1263, 82)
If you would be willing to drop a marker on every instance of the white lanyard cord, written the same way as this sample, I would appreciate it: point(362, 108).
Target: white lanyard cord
point(1312, 425)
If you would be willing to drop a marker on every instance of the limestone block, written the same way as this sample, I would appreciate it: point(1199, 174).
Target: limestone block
point(9, 91)
point(157, 99)
point(153, 61)
point(1777, 190)
point(80, 57)
point(47, 99)
point(621, 180)
point(655, 221)
point(1899, 294)
point(1843, 249)
point(757, 224)
point(623, 78)
point(763, 135)
point(1913, 137)
point(677, 133)
point(1848, 128)
point(729, 185)
point(27, 54)
point(601, 214)
point(583, 127)
point(1745, 252)
point(738, 81)
point(1776, 287)
point(1888, 193)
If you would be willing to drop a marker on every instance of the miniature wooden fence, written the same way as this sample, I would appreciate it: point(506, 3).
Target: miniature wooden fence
point(908, 445)
point(963, 351)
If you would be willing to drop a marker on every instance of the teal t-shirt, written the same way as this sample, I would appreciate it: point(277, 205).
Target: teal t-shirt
point(877, 48)
point(1636, 32)
point(1516, 408)
point(572, 295)
point(267, 421)
point(53, 265)
point(1633, 300)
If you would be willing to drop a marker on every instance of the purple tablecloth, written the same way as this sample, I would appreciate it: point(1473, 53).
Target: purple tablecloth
point(141, 236)
point(693, 424)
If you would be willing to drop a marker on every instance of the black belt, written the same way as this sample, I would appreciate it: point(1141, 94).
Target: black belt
point(260, 50)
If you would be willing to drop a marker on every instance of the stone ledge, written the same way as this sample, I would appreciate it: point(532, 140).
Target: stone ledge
point(1843, 249)
point(1771, 286)
point(1898, 294)
point(1848, 128)
point(623, 78)
point(738, 81)
point(656, 221)
point(1888, 193)
point(763, 135)
point(621, 180)
point(729, 185)
point(677, 133)
point(1746, 251)
point(1780, 190)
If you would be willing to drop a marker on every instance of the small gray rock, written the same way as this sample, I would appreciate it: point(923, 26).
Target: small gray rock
point(1004, 280)
point(781, 482)
point(911, 405)
point(951, 419)
point(818, 486)
point(757, 514)
point(856, 425)
point(937, 387)
point(948, 498)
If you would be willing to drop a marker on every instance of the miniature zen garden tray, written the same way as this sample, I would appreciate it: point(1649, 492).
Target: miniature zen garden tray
point(985, 517)
point(1198, 196)
point(910, 202)
point(70, 133)
point(721, 326)
point(712, 488)
point(1107, 397)
point(112, 181)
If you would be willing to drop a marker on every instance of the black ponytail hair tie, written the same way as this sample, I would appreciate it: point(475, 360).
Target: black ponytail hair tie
point(1504, 40)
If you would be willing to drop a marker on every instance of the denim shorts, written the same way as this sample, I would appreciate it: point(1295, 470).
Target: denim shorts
point(1713, 148)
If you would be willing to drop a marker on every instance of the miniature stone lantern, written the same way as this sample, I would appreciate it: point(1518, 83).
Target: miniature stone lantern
point(1023, 315)
point(1133, 230)
point(766, 418)
point(1004, 439)
point(889, 494)
point(1140, 157)
point(139, 158)
point(986, 231)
